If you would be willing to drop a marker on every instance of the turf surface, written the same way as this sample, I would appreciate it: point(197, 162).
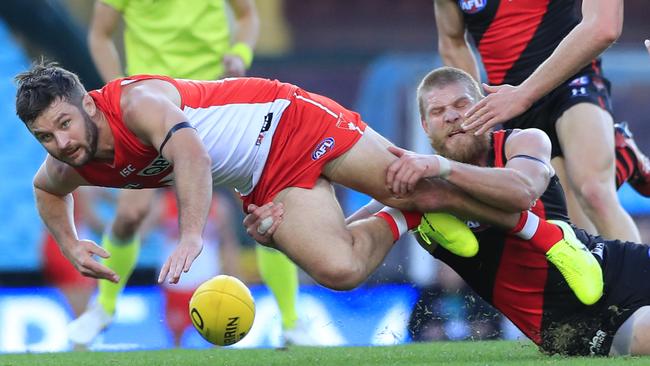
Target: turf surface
point(438, 353)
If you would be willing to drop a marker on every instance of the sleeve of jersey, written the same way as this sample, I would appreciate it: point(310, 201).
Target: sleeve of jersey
point(118, 5)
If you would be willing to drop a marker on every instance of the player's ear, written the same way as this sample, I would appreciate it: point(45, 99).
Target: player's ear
point(88, 104)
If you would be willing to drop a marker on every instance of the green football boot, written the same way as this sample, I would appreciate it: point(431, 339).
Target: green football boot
point(449, 232)
point(578, 266)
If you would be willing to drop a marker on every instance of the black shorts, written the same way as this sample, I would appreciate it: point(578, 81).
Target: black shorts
point(589, 330)
point(587, 86)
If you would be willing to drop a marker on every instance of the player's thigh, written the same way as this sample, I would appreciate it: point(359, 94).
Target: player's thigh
point(633, 337)
point(576, 213)
point(586, 135)
point(641, 332)
point(363, 167)
point(313, 233)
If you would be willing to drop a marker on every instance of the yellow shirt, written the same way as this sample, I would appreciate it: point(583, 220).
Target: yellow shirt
point(179, 38)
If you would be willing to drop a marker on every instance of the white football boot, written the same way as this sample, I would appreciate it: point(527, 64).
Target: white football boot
point(83, 330)
point(299, 335)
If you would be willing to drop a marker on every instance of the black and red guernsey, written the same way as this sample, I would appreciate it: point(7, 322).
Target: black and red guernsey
point(515, 36)
point(507, 272)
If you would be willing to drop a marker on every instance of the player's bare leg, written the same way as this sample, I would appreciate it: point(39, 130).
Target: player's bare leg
point(590, 169)
point(316, 238)
point(577, 215)
point(313, 233)
point(633, 337)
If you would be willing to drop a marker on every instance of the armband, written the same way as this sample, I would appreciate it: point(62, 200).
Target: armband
point(244, 52)
point(549, 170)
point(171, 131)
point(444, 167)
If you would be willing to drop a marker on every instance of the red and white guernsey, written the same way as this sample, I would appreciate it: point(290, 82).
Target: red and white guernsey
point(235, 119)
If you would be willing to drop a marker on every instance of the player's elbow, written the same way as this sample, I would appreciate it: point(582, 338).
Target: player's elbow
point(449, 48)
point(608, 35)
point(523, 198)
point(605, 33)
point(521, 202)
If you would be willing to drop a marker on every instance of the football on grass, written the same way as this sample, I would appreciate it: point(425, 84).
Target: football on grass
point(222, 310)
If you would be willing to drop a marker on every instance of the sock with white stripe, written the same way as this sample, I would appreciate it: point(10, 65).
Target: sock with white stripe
point(541, 234)
point(400, 222)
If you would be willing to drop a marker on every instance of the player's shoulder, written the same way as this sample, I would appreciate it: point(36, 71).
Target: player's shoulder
point(147, 92)
point(528, 141)
point(530, 135)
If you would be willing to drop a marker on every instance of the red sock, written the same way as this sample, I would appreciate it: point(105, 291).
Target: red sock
point(540, 233)
point(625, 163)
point(400, 222)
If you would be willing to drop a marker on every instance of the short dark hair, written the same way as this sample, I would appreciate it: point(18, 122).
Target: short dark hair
point(444, 76)
point(41, 85)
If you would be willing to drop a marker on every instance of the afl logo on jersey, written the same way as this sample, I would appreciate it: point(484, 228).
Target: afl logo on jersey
point(472, 6)
point(322, 148)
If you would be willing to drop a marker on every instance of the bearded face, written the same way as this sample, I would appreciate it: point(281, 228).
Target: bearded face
point(444, 111)
point(67, 132)
point(461, 146)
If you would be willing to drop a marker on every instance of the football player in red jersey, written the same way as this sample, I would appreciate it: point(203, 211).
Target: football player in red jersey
point(272, 141)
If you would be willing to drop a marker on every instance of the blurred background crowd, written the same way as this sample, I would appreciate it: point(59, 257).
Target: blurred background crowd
point(366, 54)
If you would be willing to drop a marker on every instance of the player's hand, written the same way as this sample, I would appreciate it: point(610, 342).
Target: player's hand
point(262, 221)
point(503, 103)
point(404, 173)
point(647, 45)
point(81, 257)
point(233, 66)
point(181, 259)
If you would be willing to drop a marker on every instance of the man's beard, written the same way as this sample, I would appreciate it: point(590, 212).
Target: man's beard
point(92, 134)
point(469, 153)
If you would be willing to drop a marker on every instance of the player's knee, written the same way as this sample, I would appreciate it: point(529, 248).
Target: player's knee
point(597, 196)
point(127, 222)
point(340, 277)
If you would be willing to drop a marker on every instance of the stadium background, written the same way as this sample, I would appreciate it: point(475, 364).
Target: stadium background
point(366, 54)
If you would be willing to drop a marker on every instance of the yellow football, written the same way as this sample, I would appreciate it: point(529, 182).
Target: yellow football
point(222, 309)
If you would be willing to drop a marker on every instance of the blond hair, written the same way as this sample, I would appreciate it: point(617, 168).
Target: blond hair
point(444, 76)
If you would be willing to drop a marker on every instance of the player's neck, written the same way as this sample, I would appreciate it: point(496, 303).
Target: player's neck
point(105, 139)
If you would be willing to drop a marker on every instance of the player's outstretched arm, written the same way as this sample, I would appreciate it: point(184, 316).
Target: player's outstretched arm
point(489, 195)
point(601, 25)
point(520, 183)
point(151, 111)
point(53, 185)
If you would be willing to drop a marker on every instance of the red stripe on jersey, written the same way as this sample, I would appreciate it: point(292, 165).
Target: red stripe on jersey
point(499, 144)
point(520, 282)
point(514, 25)
point(521, 277)
point(197, 94)
point(594, 66)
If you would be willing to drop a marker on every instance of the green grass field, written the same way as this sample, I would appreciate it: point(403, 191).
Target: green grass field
point(439, 353)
